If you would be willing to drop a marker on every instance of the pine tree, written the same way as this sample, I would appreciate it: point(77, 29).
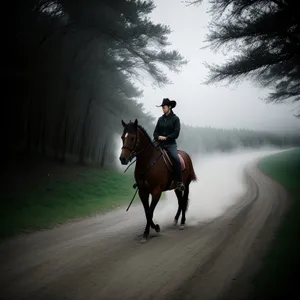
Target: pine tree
point(265, 35)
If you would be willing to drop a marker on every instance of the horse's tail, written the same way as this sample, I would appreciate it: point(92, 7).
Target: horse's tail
point(193, 176)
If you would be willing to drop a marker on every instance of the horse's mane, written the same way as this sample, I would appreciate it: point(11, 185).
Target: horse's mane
point(131, 128)
point(145, 133)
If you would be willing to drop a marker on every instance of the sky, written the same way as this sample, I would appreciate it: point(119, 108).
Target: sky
point(234, 106)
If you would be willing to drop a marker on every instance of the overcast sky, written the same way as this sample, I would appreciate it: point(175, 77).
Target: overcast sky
point(235, 106)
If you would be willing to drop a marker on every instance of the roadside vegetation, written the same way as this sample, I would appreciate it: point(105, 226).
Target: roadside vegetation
point(276, 279)
point(42, 199)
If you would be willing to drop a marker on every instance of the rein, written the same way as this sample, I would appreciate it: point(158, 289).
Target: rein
point(134, 154)
point(150, 144)
point(135, 186)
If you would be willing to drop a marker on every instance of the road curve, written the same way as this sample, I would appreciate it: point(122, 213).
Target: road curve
point(101, 257)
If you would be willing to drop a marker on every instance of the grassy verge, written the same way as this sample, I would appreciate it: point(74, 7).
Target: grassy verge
point(46, 199)
point(277, 278)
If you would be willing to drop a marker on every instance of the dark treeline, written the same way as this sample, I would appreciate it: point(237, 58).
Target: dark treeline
point(195, 139)
point(206, 139)
point(70, 70)
point(69, 73)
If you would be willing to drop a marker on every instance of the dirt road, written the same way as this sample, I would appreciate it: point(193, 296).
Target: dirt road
point(101, 257)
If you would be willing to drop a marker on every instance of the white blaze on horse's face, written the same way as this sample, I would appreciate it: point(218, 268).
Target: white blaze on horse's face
point(129, 145)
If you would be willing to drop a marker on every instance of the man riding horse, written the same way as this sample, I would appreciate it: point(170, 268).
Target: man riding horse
point(167, 131)
point(153, 173)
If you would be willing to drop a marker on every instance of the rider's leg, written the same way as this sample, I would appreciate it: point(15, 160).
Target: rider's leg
point(172, 151)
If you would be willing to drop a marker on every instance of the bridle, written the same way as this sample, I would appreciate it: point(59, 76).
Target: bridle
point(133, 152)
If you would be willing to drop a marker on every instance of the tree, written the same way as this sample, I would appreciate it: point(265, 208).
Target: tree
point(207, 140)
point(266, 37)
point(132, 39)
point(70, 69)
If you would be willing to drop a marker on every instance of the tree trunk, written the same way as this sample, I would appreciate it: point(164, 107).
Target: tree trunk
point(94, 151)
point(27, 135)
point(62, 118)
point(84, 133)
point(39, 133)
point(73, 138)
point(99, 154)
point(43, 138)
point(57, 148)
point(103, 154)
point(64, 146)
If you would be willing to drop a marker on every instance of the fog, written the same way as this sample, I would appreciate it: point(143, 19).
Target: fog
point(235, 106)
point(220, 184)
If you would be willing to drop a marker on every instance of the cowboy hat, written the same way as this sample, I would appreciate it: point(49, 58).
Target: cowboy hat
point(168, 102)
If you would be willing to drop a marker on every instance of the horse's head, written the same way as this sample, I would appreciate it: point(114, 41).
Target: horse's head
point(130, 141)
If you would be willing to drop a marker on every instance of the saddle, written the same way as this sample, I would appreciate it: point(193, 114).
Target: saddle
point(168, 161)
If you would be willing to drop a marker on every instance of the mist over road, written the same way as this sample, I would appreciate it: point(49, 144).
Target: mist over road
point(101, 257)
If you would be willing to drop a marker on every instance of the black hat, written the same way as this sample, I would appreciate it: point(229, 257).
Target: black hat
point(168, 102)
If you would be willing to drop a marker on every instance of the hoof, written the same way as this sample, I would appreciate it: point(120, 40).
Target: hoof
point(144, 240)
point(157, 228)
point(181, 227)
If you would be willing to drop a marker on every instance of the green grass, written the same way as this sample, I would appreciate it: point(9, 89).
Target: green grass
point(278, 277)
point(66, 194)
point(37, 201)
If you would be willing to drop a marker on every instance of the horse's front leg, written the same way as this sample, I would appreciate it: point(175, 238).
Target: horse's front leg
point(156, 194)
point(144, 196)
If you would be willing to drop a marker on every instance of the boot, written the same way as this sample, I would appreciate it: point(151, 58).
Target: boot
point(180, 186)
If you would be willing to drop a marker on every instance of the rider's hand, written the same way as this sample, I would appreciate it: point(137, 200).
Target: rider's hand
point(162, 138)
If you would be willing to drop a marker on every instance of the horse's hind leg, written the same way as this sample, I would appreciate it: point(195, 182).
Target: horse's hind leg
point(180, 207)
point(179, 196)
point(184, 202)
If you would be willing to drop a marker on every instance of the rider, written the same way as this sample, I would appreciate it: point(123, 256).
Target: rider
point(167, 131)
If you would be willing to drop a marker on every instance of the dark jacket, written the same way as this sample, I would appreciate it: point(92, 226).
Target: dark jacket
point(168, 126)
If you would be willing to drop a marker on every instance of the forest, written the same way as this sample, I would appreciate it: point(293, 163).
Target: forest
point(71, 71)
point(70, 74)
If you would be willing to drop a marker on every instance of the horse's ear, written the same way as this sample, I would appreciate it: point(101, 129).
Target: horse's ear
point(124, 124)
point(135, 122)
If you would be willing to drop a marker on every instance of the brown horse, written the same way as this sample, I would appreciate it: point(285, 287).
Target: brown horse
point(154, 173)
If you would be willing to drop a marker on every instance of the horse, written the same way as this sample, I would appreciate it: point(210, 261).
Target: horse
point(154, 172)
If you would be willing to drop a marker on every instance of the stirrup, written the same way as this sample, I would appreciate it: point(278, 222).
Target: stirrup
point(180, 186)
